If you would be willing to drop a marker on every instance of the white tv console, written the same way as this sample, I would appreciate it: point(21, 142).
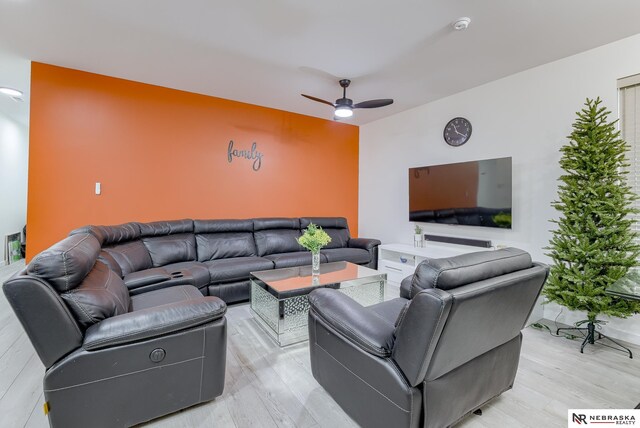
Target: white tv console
point(400, 260)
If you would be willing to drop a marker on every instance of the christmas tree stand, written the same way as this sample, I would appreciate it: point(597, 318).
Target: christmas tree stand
point(590, 338)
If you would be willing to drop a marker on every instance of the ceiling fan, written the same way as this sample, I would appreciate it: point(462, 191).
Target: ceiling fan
point(344, 106)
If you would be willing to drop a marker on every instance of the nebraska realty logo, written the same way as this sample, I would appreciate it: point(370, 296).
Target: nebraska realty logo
point(603, 417)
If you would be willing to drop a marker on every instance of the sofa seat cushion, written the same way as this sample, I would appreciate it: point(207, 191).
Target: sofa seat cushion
point(236, 269)
point(164, 296)
point(390, 310)
point(298, 258)
point(194, 273)
point(353, 255)
point(231, 292)
point(151, 323)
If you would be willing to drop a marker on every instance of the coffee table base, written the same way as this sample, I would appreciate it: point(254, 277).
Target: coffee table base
point(286, 320)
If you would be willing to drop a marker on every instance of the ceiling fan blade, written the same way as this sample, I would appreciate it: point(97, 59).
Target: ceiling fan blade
point(374, 103)
point(318, 100)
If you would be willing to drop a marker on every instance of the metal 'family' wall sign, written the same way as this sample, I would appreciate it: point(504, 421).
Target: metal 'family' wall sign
point(252, 154)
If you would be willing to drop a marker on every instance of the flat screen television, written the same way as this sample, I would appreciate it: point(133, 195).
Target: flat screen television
point(476, 193)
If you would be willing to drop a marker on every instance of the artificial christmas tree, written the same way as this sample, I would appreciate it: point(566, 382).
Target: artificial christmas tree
point(594, 244)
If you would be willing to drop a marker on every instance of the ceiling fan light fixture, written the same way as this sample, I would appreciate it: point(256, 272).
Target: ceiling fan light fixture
point(343, 107)
point(344, 111)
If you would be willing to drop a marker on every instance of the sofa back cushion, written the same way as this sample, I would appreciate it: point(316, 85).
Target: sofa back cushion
point(453, 272)
point(100, 295)
point(160, 228)
point(111, 235)
point(169, 249)
point(442, 330)
point(67, 263)
point(276, 235)
point(336, 227)
point(169, 241)
point(111, 262)
point(484, 315)
point(91, 290)
point(131, 256)
point(221, 239)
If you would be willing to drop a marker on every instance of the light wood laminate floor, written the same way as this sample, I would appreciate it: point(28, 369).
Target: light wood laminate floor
point(267, 386)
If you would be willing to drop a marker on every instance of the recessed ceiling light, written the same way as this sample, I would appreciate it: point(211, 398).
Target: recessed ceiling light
point(11, 92)
point(461, 23)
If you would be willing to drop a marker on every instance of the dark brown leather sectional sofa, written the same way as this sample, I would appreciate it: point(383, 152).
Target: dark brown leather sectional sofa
point(129, 320)
point(216, 256)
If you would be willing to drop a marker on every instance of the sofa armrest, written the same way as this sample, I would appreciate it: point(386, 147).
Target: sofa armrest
point(360, 325)
point(364, 243)
point(152, 322)
point(146, 277)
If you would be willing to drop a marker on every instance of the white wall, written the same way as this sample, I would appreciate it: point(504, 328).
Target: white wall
point(526, 116)
point(14, 153)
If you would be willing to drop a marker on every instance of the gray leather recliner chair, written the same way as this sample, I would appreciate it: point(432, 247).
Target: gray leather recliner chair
point(432, 359)
point(112, 359)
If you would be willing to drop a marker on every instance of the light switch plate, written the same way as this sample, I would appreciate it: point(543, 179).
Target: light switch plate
point(98, 188)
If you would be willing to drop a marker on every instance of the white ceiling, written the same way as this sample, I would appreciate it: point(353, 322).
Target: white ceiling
point(268, 52)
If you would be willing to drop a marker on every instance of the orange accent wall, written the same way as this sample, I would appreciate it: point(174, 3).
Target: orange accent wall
point(161, 154)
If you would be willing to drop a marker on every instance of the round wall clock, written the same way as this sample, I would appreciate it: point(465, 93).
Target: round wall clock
point(457, 131)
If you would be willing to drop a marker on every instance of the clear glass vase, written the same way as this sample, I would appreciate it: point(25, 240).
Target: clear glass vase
point(315, 262)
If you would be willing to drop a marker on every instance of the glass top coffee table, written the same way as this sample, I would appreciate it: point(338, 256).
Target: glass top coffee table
point(279, 296)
